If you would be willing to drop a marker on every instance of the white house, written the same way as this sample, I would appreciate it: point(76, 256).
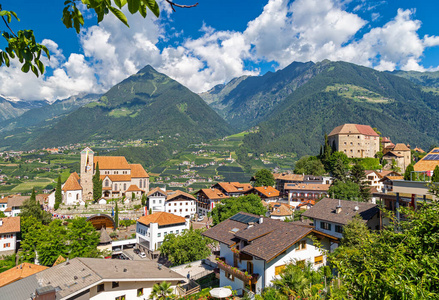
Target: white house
point(92, 278)
point(152, 229)
point(330, 215)
point(373, 178)
point(9, 228)
point(14, 204)
point(175, 202)
point(207, 199)
point(254, 250)
point(72, 190)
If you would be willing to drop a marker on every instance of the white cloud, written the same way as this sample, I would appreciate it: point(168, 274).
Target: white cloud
point(285, 31)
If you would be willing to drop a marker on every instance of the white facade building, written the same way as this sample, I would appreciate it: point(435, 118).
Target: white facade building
point(152, 229)
point(262, 247)
point(9, 228)
point(176, 202)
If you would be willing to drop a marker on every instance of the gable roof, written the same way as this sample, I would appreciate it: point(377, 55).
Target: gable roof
point(213, 194)
point(162, 218)
point(281, 210)
point(179, 193)
point(267, 191)
point(388, 172)
point(319, 187)
point(427, 164)
point(10, 225)
point(288, 177)
point(104, 237)
point(19, 272)
point(325, 210)
point(401, 147)
point(134, 188)
point(72, 183)
point(157, 189)
point(116, 178)
point(235, 187)
point(16, 201)
point(111, 163)
point(137, 171)
point(353, 129)
point(59, 260)
point(392, 153)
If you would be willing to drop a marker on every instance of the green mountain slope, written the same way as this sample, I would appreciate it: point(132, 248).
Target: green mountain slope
point(347, 93)
point(248, 100)
point(429, 80)
point(12, 109)
point(147, 105)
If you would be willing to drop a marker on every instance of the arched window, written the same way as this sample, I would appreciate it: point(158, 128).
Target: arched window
point(140, 181)
point(77, 196)
point(107, 183)
point(124, 186)
point(144, 183)
point(115, 186)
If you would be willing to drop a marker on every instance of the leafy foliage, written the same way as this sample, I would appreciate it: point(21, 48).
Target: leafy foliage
point(264, 178)
point(31, 208)
point(435, 177)
point(309, 165)
point(162, 291)
point(97, 184)
point(186, 247)
point(408, 172)
point(58, 194)
point(345, 190)
point(233, 205)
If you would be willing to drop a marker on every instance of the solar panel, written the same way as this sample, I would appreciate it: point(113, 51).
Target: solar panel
point(244, 218)
point(432, 157)
point(435, 151)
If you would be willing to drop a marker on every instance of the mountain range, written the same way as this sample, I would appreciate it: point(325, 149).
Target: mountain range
point(292, 108)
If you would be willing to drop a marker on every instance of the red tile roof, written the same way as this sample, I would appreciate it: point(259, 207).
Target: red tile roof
point(353, 129)
point(162, 218)
point(72, 183)
point(19, 272)
point(116, 178)
point(134, 188)
point(267, 191)
point(137, 171)
point(235, 187)
point(213, 194)
point(10, 225)
point(111, 163)
point(179, 193)
point(157, 189)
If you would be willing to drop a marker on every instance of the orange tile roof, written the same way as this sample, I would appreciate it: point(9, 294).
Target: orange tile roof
point(116, 178)
point(235, 187)
point(137, 171)
point(72, 183)
point(8, 209)
point(286, 176)
point(111, 163)
point(10, 225)
point(353, 129)
point(19, 272)
point(419, 150)
point(179, 193)
point(385, 173)
point(134, 188)
point(213, 194)
point(156, 189)
point(401, 147)
point(59, 260)
point(282, 210)
point(162, 218)
point(307, 186)
point(267, 191)
point(367, 172)
point(426, 165)
point(312, 202)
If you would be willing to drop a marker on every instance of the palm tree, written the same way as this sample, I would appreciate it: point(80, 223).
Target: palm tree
point(162, 291)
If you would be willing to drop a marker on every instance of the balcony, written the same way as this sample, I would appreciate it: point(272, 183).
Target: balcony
point(240, 274)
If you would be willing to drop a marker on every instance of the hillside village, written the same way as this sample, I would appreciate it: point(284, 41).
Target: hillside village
point(243, 235)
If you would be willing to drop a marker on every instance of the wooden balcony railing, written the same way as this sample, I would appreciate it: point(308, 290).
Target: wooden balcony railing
point(240, 274)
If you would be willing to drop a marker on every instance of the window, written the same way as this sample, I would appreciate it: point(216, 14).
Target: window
point(165, 233)
point(107, 183)
point(338, 229)
point(116, 172)
point(318, 260)
point(160, 201)
point(301, 245)
point(7, 245)
point(120, 298)
point(278, 269)
point(181, 203)
point(139, 292)
point(229, 276)
point(325, 225)
point(115, 187)
point(153, 201)
point(115, 284)
point(101, 288)
point(140, 184)
point(250, 267)
point(176, 231)
point(171, 232)
point(159, 234)
point(300, 263)
point(124, 186)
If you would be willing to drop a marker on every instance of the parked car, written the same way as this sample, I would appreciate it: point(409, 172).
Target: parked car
point(137, 251)
point(142, 255)
point(200, 218)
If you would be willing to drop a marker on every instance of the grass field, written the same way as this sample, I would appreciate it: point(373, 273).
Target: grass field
point(28, 185)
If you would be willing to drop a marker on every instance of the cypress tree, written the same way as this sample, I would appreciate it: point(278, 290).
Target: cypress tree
point(408, 171)
point(116, 216)
point(58, 194)
point(97, 184)
point(435, 177)
point(33, 197)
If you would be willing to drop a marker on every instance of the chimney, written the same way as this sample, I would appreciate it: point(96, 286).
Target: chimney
point(250, 225)
point(338, 208)
point(261, 219)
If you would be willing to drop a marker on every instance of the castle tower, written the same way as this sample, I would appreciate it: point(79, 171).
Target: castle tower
point(87, 170)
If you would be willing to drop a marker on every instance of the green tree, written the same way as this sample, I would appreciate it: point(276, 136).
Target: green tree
point(264, 177)
point(392, 264)
point(162, 291)
point(327, 151)
point(408, 172)
point(187, 247)
point(116, 216)
point(7, 262)
point(435, 177)
point(52, 242)
point(338, 165)
point(58, 194)
point(2, 214)
point(97, 184)
point(32, 208)
point(358, 176)
point(143, 200)
point(233, 205)
point(83, 239)
point(345, 190)
point(309, 165)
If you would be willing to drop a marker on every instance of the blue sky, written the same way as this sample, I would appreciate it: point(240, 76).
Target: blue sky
point(219, 40)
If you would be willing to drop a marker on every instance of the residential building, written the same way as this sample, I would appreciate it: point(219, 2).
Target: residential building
point(300, 192)
point(330, 215)
point(400, 153)
point(3, 203)
point(9, 229)
point(152, 229)
point(15, 202)
point(266, 193)
point(176, 202)
point(355, 140)
point(428, 162)
point(283, 178)
point(19, 272)
point(207, 199)
point(233, 189)
point(280, 211)
point(92, 278)
point(254, 250)
point(387, 182)
point(373, 179)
